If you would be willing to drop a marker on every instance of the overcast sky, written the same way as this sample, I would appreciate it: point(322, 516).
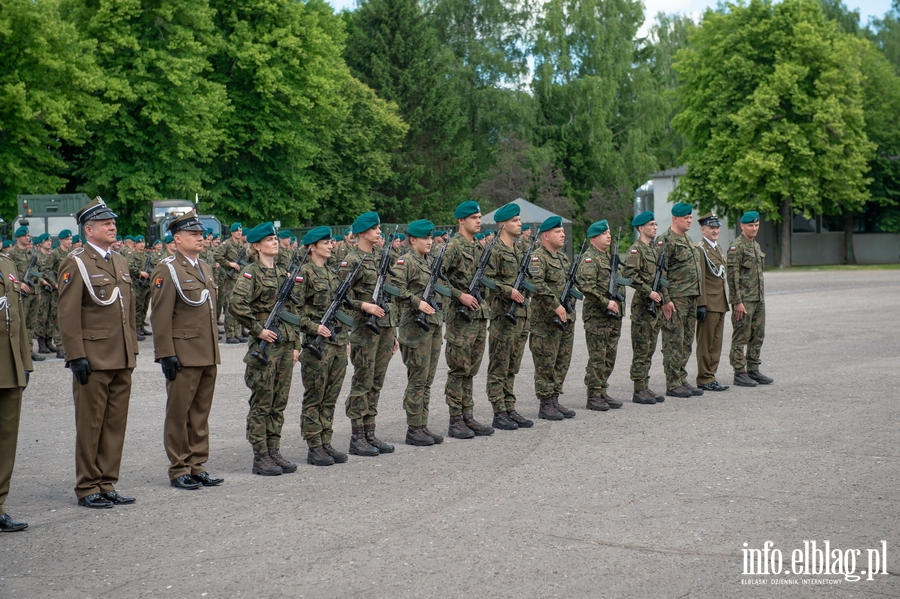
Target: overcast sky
point(867, 8)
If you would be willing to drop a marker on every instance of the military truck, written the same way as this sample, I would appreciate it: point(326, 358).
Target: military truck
point(49, 213)
point(162, 212)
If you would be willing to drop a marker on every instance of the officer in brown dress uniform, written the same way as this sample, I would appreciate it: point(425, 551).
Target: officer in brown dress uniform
point(96, 321)
point(185, 338)
point(15, 364)
point(712, 305)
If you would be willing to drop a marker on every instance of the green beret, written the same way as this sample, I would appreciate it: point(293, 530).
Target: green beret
point(364, 222)
point(260, 232)
point(348, 230)
point(479, 236)
point(39, 239)
point(526, 227)
point(337, 238)
point(76, 238)
point(401, 236)
point(208, 232)
point(138, 238)
point(293, 239)
point(750, 217)
point(316, 235)
point(506, 212)
point(598, 228)
point(682, 209)
point(420, 228)
point(7, 243)
point(235, 227)
point(129, 237)
point(286, 233)
point(20, 232)
point(552, 222)
point(488, 232)
point(168, 238)
point(64, 234)
point(216, 236)
point(642, 219)
point(118, 238)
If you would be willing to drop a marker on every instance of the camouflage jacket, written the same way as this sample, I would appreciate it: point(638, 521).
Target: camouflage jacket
point(460, 261)
point(21, 258)
point(593, 282)
point(548, 273)
point(254, 295)
point(745, 271)
point(315, 287)
point(339, 254)
point(228, 251)
point(45, 266)
point(283, 259)
point(502, 270)
point(412, 273)
point(640, 267)
point(362, 287)
point(682, 266)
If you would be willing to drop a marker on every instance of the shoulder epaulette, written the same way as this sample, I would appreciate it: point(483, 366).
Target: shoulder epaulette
point(167, 259)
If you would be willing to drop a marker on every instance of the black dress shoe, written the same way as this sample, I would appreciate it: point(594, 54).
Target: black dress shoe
point(95, 501)
point(118, 498)
point(206, 480)
point(185, 481)
point(7, 524)
point(714, 386)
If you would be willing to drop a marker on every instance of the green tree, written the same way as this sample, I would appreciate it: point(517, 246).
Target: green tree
point(771, 105)
point(886, 35)
point(165, 127)
point(48, 78)
point(393, 48)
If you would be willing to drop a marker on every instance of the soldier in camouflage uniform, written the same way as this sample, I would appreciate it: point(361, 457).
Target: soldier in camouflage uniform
point(253, 298)
point(370, 351)
point(680, 302)
point(127, 246)
point(551, 347)
point(748, 317)
point(140, 270)
point(227, 256)
point(421, 349)
point(59, 254)
point(465, 339)
point(506, 341)
point(341, 249)
point(640, 269)
point(602, 317)
point(21, 254)
point(316, 285)
point(47, 288)
point(284, 249)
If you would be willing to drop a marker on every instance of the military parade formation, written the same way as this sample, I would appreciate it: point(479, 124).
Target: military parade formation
point(357, 300)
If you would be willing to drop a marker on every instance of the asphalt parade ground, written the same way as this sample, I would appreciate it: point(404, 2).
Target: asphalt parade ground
point(645, 501)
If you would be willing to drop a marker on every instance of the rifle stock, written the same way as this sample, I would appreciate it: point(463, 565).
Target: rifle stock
point(278, 313)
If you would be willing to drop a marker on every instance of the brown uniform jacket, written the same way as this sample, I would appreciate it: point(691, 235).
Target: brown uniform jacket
point(180, 329)
point(15, 350)
point(712, 291)
point(105, 335)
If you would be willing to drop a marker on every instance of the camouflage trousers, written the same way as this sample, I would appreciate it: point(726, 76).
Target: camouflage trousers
point(505, 349)
point(43, 326)
point(678, 338)
point(270, 386)
point(749, 332)
point(709, 346)
point(232, 326)
point(551, 351)
point(54, 321)
point(602, 337)
point(644, 333)
point(322, 380)
point(141, 305)
point(465, 349)
point(421, 364)
point(31, 304)
point(370, 355)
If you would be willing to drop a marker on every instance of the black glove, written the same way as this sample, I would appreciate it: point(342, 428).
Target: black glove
point(170, 366)
point(81, 368)
point(701, 314)
point(27, 377)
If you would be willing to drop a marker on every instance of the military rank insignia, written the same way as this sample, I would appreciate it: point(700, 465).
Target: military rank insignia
point(67, 277)
point(158, 282)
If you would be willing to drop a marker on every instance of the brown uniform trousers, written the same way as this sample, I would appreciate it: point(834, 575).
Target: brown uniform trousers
point(714, 297)
point(15, 360)
point(106, 336)
point(189, 332)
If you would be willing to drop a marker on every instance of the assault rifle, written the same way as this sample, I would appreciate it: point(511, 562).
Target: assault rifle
point(615, 263)
point(570, 293)
point(232, 273)
point(141, 280)
point(334, 313)
point(433, 287)
point(658, 281)
point(381, 286)
point(478, 279)
point(278, 313)
point(522, 284)
point(32, 276)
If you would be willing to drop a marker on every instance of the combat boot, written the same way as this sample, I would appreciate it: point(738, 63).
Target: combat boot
point(359, 445)
point(548, 411)
point(434, 437)
point(503, 422)
point(597, 403)
point(520, 420)
point(742, 379)
point(276, 457)
point(680, 391)
point(697, 392)
point(381, 446)
point(562, 409)
point(760, 377)
point(459, 430)
point(35, 357)
point(263, 464)
point(42, 346)
point(659, 398)
point(415, 435)
point(60, 354)
point(318, 457)
point(48, 341)
point(480, 430)
point(337, 456)
point(644, 396)
point(613, 403)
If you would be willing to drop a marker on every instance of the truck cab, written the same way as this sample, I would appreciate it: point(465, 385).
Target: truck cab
point(49, 213)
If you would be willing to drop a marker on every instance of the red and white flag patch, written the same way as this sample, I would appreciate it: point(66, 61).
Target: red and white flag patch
point(732, 248)
point(298, 279)
point(247, 275)
point(400, 262)
point(588, 259)
point(14, 279)
point(534, 259)
point(344, 263)
point(634, 251)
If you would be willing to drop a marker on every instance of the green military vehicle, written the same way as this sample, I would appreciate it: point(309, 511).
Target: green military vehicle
point(49, 213)
point(162, 212)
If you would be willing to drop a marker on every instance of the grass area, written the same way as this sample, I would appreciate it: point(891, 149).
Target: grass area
point(840, 267)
